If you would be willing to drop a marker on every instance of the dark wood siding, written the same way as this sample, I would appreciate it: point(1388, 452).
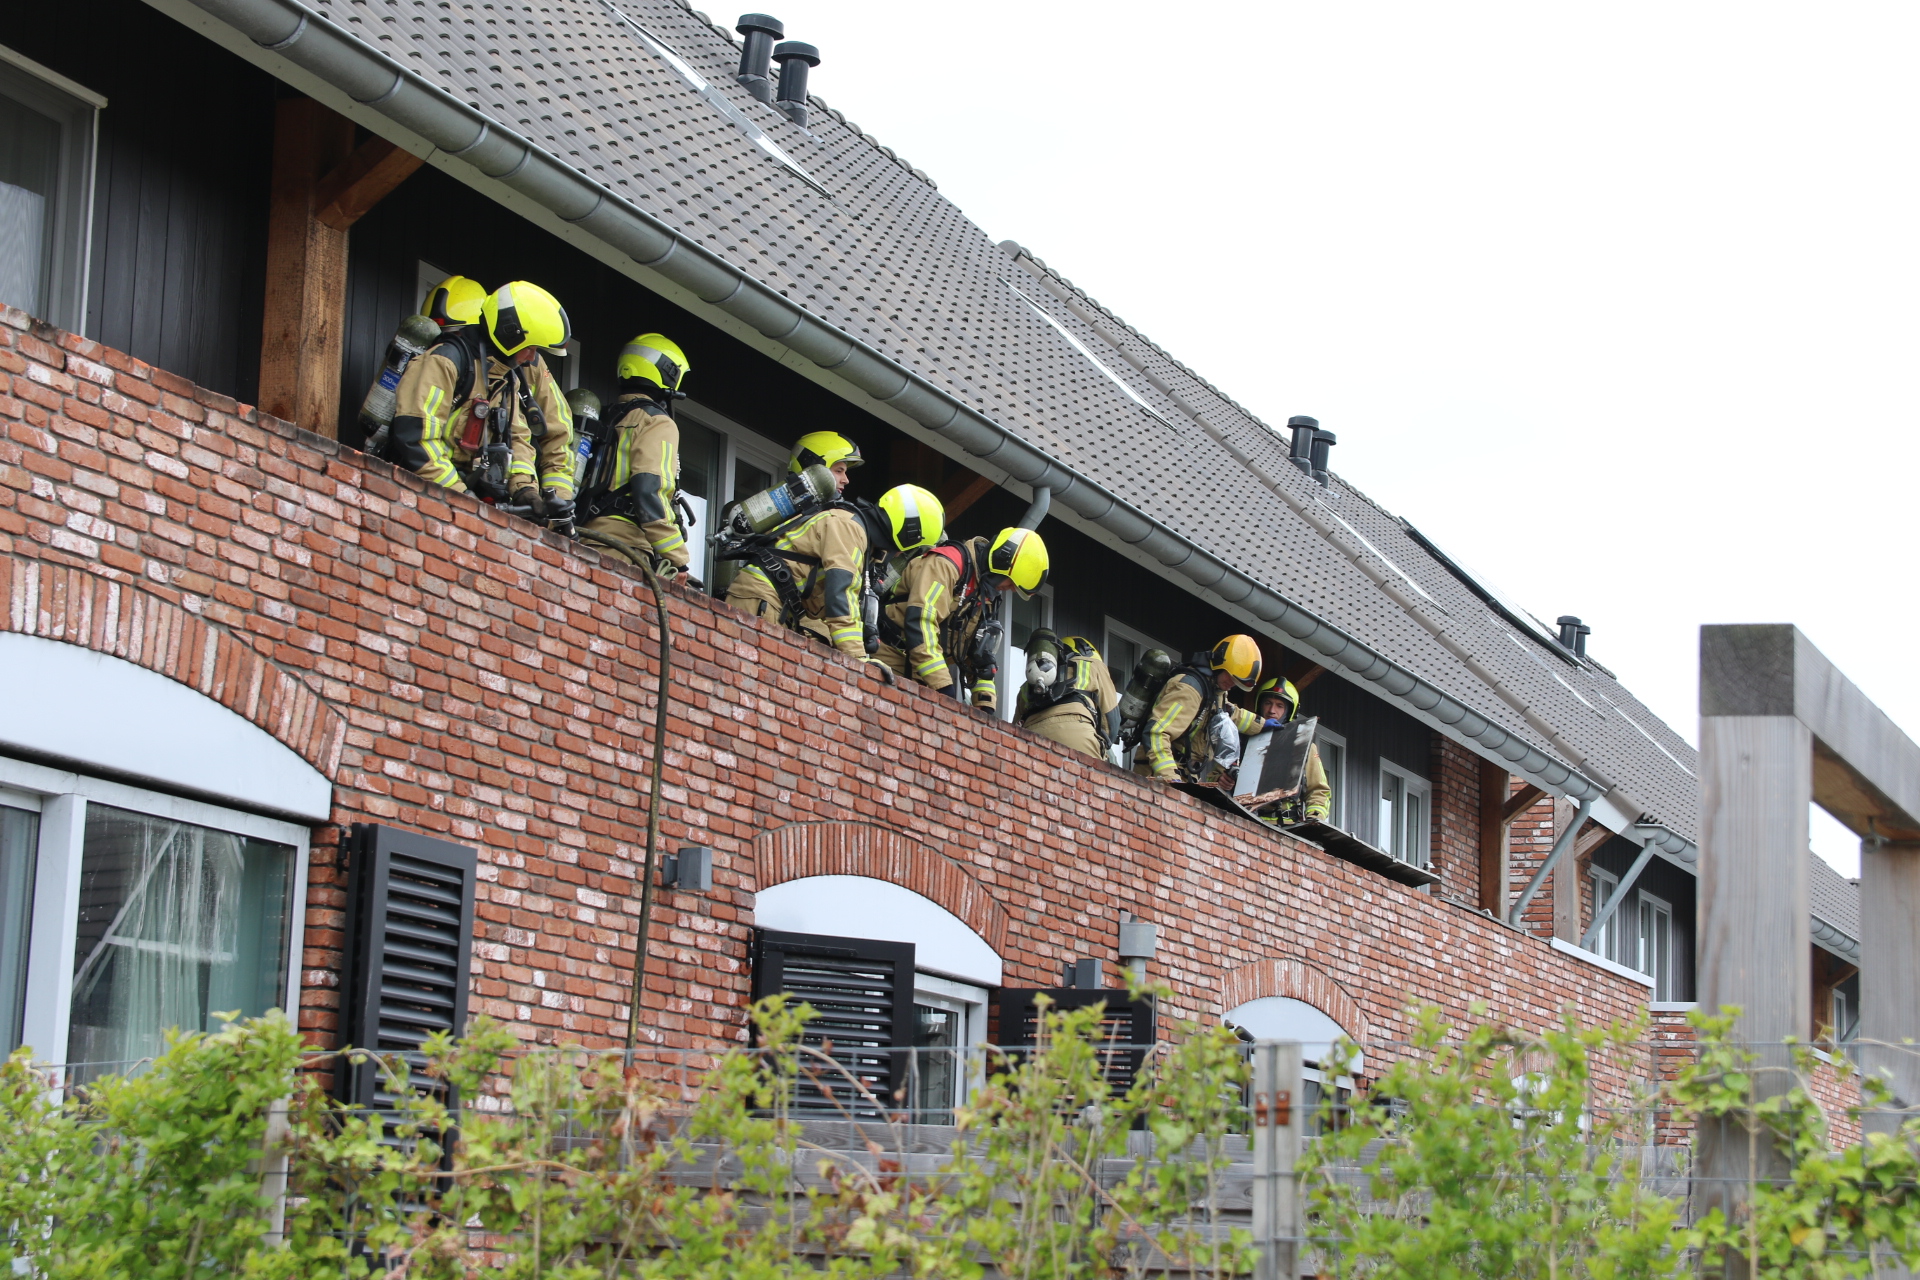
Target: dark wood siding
point(180, 198)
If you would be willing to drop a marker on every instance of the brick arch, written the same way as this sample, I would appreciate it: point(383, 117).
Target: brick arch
point(803, 849)
point(56, 602)
point(1300, 981)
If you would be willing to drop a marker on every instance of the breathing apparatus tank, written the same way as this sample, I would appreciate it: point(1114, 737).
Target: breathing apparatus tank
point(586, 424)
point(411, 339)
point(1149, 677)
point(810, 490)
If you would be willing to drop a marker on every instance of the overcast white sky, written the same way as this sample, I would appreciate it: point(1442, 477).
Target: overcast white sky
point(1615, 302)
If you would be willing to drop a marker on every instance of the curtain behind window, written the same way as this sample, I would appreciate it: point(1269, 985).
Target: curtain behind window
point(177, 923)
point(19, 838)
point(29, 168)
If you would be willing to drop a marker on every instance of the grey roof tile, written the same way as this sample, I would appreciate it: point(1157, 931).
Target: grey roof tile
point(1833, 897)
point(891, 261)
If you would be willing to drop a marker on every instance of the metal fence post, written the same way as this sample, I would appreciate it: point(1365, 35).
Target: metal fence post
point(1278, 1116)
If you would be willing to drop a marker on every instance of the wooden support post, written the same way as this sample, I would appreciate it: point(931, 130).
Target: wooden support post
point(1889, 961)
point(300, 340)
point(1756, 780)
point(1495, 892)
point(321, 186)
point(1566, 878)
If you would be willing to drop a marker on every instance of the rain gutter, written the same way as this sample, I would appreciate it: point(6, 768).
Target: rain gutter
point(285, 30)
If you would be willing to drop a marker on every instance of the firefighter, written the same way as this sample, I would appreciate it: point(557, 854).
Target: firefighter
point(1176, 746)
point(809, 572)
point(628, 489)
point(1067, 693)
point(945, 607)
point(1276, 703)
point(455, 301)
point(480, 412)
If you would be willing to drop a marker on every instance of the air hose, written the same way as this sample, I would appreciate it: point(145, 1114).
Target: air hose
point(638, 989)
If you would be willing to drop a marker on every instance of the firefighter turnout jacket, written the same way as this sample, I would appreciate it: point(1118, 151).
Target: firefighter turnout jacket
point(931, 616)
point(440, 422)
point(826, 552)
point(629, 500)
point(1175, 742)
point(1073, 710)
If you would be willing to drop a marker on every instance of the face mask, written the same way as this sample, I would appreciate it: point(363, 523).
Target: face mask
point(1042, 669)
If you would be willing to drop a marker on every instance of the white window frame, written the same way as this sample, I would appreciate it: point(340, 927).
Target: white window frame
point(1110, 629)
point(62, 802)
point(1605, 886)
point(77, 108)
point(1140, 638)
point(1412, 784)
point(739, 444)
point(1659, 909)
point(1324, 737)
point(1013, 660)
point(425, 276)
point(971, 1003)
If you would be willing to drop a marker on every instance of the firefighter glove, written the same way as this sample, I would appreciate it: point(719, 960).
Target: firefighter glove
point(529, 497)
point(559, 512)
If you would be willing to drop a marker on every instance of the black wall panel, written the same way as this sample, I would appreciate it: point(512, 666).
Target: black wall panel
point(180, 196)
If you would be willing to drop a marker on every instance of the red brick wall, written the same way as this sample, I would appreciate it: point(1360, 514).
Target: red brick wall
point(1456, 820)
point(494, 684)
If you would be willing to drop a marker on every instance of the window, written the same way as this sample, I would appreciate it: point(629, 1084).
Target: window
point(721, 462)
point(1122, 651)
point(19, 836)
point(1655, 955)
point(176, 922)
point(148, 913)
point(47, 134)
point(1333, 758)
point(949, 1019)
point(1403, 814)
point(1605, 884)
point(1023, 618)
point(1846, 1010)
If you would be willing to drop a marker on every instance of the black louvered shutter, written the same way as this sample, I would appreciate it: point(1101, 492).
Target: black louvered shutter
point(410, 949)
point(862, 994)
point(1127, 1028)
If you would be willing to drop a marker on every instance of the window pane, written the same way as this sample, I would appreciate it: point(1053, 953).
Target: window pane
point(1415, 850)
point(936, 1065)
point(1390, 813)
point(749, 479)
point(19, 840)
point(177, 923)
point(29, 156)
point(1027, 617)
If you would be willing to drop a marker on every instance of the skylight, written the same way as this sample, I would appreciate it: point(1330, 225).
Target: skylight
point(717, 100)
point(1097, 362)
point(1501, 602)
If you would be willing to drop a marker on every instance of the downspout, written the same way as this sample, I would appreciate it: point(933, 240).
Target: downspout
point(283, 29)
point(1037, 510)
point(1560, 846)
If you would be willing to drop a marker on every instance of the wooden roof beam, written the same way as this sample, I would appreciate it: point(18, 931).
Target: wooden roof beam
point(361, 181)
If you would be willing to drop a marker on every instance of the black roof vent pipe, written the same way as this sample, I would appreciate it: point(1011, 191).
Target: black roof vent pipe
point(1302, 452)
point(756, 53)
point(1573, 634)
point(1322, 442)
point(795, 60)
